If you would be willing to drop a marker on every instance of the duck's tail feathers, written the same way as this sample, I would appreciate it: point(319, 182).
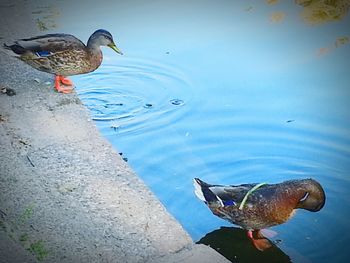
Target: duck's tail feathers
point(198, 189)
point(15, 48)
point(203, 192)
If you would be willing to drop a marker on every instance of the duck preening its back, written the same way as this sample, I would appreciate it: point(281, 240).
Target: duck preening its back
point(268, 205)
point(258, 206)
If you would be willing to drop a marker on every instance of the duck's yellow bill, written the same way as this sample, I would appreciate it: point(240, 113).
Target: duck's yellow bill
point(114, 47)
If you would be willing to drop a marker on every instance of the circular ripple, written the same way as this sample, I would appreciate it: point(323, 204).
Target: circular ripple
point(134, 94)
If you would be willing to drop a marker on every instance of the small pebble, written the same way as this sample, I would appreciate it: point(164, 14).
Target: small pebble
point(2, 118)
point(8, 91)
point(277, 241)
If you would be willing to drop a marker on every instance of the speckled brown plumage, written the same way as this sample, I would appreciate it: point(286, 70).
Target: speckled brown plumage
point(63, 54)
point(67, 62)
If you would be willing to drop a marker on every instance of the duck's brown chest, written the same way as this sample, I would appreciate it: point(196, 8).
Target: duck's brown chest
point(261, 210)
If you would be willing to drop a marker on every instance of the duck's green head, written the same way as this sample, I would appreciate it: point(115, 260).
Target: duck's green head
point(102, 37)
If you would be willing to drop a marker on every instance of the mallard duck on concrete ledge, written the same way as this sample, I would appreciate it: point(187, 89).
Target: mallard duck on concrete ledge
point(63, 54)
point(258, 206)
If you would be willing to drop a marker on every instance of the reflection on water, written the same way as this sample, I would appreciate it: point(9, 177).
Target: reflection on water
point(231, 92)
point(236, 246)
point(321, 11)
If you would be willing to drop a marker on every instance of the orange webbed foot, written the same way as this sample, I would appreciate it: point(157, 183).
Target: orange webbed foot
point(261, 244)
point(66, 81)
point(259, 241)
point(67, 84)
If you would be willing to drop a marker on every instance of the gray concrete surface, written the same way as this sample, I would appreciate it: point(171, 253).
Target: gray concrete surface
point(65, 194)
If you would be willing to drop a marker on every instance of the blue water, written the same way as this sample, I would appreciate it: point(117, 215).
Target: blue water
point(216, 90)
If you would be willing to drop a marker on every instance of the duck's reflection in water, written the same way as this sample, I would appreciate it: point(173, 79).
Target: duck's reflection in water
point(234, 244)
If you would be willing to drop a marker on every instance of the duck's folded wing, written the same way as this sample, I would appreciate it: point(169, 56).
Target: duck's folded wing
point(230, 195)
point(46, 45)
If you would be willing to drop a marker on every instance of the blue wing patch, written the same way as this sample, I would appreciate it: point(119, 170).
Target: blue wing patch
point(229, 202)
point(43, 53)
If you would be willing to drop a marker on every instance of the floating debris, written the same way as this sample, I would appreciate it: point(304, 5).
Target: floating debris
point(115, 126)
point(177, 102)
point(148, 105)
point(249, 8)
point(341, 41)
point(323, 51)
point(277, 17)
point(114, 104)
point(272, 2)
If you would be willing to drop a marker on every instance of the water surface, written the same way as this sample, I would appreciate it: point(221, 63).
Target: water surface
point(232, 92)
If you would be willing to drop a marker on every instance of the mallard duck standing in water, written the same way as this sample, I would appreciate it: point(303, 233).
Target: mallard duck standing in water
point(258, 206)
point(63, 54)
